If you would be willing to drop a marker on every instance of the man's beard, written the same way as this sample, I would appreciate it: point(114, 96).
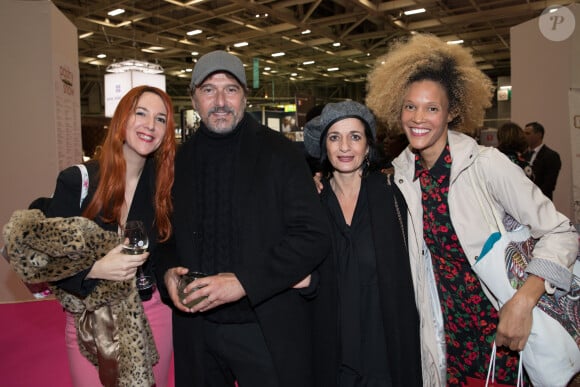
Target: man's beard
point(220, 125)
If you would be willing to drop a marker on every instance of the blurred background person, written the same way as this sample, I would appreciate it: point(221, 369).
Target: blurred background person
point(545, 161)
point(513, 144)
point(393, 145)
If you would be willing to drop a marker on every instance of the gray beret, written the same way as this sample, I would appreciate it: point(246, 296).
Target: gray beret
point(218, 61)
point(315, 129)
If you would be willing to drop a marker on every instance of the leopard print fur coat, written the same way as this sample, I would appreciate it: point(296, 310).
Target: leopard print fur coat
point(49, 249)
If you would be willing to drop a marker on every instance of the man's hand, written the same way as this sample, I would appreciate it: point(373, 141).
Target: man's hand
point(217, 289)
point(171, 279)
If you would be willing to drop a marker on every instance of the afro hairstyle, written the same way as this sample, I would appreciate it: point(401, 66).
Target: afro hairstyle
point(426, 57)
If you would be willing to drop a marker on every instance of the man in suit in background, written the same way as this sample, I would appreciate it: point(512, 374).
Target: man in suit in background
point(544, 161)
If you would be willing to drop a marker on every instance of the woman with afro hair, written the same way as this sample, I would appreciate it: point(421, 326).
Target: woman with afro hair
point(435, 93)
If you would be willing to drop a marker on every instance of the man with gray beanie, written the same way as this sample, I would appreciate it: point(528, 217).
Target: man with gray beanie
point(246, 213)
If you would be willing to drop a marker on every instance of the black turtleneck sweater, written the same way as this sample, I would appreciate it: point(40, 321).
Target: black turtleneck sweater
point(215, 168)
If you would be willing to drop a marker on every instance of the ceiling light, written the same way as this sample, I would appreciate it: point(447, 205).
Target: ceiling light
point(277, 54)
point(308, 62)
point(134, 65)
point(194, 53)
point(336, 44)
point(306, 32)
point(241, 44)
point(116, 12)
point(156, 48)
point(333, 69)
point(293, 74)
point(86, 35)
point(101, 56)
point(267, 68)
point(458, 41)
point(414, 11)
point(194, 32)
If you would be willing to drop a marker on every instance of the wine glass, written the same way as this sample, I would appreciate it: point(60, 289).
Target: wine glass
point(135, 241)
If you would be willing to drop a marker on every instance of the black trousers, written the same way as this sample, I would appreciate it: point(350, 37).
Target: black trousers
point(237, 352)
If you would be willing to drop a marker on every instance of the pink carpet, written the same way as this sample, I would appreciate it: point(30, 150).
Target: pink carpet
point(32, 347)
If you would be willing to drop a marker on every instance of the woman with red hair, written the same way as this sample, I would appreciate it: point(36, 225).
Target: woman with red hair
point(131, 179)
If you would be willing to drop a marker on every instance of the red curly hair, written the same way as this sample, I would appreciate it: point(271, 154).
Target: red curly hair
point(110, 193)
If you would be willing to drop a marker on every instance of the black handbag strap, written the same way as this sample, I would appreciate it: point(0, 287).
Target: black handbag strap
point(398, 210)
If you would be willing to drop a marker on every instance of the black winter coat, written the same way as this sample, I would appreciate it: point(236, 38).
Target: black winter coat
point(396, 294)
point(284, 235)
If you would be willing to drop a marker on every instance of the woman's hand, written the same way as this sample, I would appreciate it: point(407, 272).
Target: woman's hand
point(304, 283)
point(116, 266)
point(515, 317)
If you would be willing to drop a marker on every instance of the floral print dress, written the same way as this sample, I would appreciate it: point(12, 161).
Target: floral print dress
point(470, 320)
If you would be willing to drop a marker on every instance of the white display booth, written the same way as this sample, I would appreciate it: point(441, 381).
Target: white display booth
point(545, 75)
point(118, 84)
point(40, 110)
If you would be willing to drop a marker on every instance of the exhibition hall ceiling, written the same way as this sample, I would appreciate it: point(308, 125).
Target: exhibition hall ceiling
point(326, 43)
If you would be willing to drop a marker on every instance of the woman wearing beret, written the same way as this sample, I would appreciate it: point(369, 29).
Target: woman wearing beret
point(365, 318)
